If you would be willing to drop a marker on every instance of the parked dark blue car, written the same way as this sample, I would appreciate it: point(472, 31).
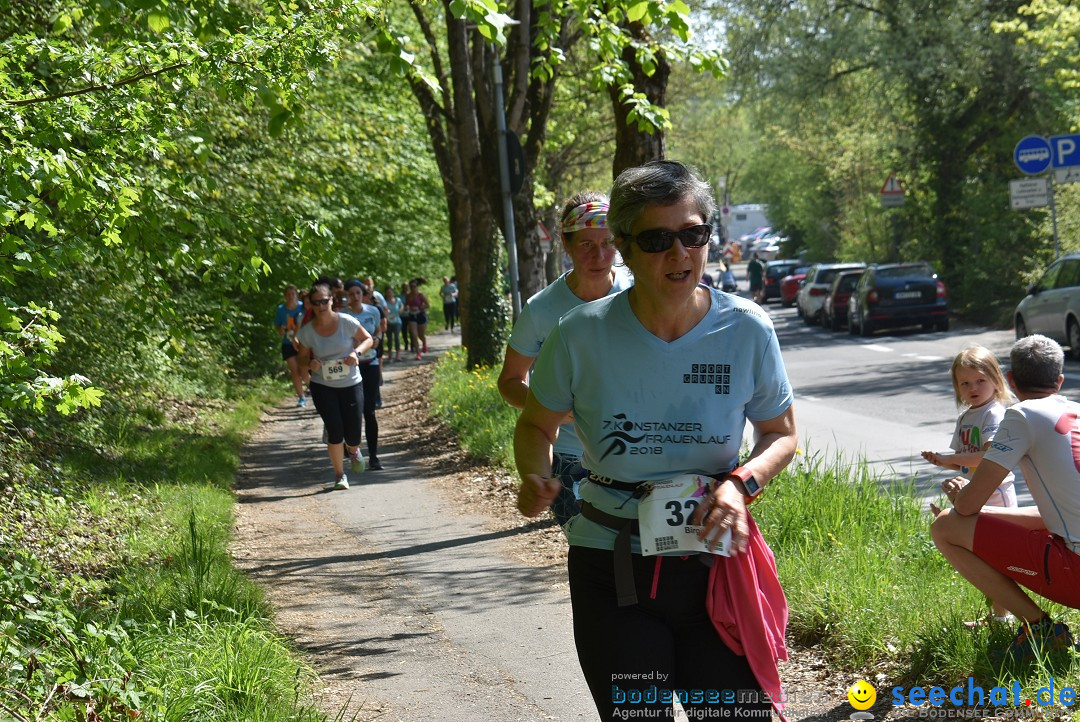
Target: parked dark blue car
point(890, 295)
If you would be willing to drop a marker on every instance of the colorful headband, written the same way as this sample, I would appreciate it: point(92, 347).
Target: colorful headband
point(587, 215)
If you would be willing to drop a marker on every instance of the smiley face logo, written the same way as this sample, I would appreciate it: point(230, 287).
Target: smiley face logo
point(862, 695)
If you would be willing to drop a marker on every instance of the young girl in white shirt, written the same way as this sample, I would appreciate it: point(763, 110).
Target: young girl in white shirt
point(982, 395)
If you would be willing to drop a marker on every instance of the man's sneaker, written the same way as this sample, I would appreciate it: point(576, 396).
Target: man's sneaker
point(341, 483)
point(356, 459)
point(375, 464)
point(301, 402)
point(1038, 639)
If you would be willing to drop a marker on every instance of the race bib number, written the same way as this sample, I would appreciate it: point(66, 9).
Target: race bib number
point(335, 370)
point(664, 516)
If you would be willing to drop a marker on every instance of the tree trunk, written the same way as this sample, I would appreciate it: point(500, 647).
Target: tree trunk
point(530, 254)
point(632, 145)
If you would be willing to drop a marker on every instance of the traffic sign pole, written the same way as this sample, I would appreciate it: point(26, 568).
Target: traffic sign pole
point(1053, 219)
point(1034, 155)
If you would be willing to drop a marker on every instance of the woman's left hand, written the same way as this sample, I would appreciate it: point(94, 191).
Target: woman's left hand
point(724, 508)
point(352, 359)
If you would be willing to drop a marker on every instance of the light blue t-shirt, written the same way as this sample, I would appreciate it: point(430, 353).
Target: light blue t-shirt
point(370, 317)
point(394, 311)
point(646, 409)
point(537, 320)
point(335, 347)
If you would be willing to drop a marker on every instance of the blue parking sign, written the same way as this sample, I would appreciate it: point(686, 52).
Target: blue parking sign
point(1032, 155)
point(1066, 150)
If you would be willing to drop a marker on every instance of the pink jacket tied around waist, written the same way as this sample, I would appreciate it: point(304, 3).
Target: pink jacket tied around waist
point(748, 608)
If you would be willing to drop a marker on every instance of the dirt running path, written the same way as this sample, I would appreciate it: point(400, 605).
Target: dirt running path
point(420, 594)
point(408, 608)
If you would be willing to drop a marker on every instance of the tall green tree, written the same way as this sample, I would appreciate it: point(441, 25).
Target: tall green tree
point(98, 97)
point(463, 42)
point(949, 98)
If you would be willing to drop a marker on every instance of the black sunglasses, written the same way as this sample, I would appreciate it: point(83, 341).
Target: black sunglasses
point(656, 240)
point(319, 301)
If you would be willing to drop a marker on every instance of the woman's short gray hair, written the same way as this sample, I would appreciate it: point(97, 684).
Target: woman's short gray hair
point(658, 182)
point(1036, 363)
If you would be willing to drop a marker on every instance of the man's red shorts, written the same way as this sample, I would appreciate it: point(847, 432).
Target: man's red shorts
point(1038, 560)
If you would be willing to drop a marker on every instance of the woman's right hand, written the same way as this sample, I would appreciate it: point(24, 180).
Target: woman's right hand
point(536, 493)
point(314, 365)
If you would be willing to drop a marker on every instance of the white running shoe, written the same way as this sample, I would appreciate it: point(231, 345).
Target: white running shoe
point(341, 483)
point(357, 461)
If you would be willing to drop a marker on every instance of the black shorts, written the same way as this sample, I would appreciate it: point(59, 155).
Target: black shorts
point(288, 351)
point(420, 319)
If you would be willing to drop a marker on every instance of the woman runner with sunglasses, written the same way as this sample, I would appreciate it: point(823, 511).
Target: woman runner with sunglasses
point(587, 240)
point(660, 379)
point(330, 347)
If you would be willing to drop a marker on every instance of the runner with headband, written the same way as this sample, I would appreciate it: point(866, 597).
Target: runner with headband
point(587, 240)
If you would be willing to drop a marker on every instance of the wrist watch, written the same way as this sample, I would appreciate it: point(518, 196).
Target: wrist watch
point(750, 484)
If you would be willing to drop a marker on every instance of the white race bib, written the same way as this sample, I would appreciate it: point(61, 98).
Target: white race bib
point(664, 516)
point(334, 370)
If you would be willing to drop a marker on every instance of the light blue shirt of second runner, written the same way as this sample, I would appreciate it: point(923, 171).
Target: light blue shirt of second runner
point(646, 409)
point(370, 318)
point(537, 320)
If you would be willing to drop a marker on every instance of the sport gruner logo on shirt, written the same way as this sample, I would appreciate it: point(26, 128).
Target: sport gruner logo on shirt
point(645, 437)
point(716, 375)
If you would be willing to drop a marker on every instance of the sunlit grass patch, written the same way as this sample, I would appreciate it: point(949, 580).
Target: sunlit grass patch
point(120, 598)
point(469, 403)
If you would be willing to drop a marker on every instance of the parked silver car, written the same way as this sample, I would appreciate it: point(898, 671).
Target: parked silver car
point(818, 281)
point(1052, 306)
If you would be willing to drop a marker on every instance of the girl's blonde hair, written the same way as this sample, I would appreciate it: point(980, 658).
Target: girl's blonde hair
point(981, 359)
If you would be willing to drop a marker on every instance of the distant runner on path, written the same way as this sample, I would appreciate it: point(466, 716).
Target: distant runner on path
point(286, 322)
point(330, 346)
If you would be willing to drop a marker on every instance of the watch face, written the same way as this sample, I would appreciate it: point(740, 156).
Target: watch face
point(753, 488)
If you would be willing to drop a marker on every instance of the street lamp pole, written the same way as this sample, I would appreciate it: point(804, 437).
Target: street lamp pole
point(504, 182)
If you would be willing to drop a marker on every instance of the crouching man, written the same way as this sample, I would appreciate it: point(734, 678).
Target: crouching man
point(1000, 549)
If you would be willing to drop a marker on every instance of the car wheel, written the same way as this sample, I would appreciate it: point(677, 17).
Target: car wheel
point(1021, 328)
point(943, 325)
point(851, 328)
point(865, 328)
point(834, 323)
point(1074, 338)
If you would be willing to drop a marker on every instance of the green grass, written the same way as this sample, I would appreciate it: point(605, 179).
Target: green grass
point(113, 552)
point(470, 404)
point(864, 582)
